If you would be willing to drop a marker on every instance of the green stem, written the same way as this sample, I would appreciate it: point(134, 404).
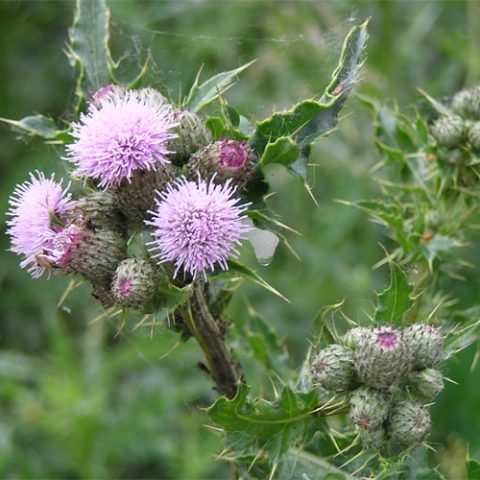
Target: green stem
point(203, 327)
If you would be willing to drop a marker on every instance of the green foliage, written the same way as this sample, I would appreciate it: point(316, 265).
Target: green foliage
point(286, 137)
point(337, 248)
point(202, 95)
point(395, 300)
point(38, 125)
point(89, 50)
point(272, 428)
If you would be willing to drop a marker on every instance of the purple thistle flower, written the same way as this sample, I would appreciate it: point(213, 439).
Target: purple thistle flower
point(33, 206)
point(197, 224)
point(124, 133)
point(56, 251)
point(234, 154)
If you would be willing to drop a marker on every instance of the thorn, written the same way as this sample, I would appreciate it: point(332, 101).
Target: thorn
point(450, 380)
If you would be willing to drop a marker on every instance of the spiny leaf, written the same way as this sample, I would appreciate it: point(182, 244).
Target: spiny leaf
point(311, 119)
point(395, 300)
point(236, 267)
point(169, 297)
point(473, 469)
point(272, 427)
point(283, 151)
point(88, 50)
point(202, 95)
point(324, 324)
point(38, 125)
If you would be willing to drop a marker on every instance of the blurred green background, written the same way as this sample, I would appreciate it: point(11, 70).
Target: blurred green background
point(81, 399)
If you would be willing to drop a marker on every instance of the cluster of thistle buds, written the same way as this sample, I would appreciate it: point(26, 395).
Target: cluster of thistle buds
point(154, 175)
point(459, 131)
point(390, 377)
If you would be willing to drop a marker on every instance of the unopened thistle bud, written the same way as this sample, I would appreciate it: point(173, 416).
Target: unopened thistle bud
point(474, 135)
point(223, 160)
point(353, 336)
point(95, 255)
point(136, 197)
point(98, 210)
point(383, 357)
point(409, 423)
point(368, 408)
point(427, 383)
point(427, 345)
point(449, 131)
point(467, 103)
point(374, 440)
point(134, 283)
point(191, 133)
point(150, 95)
point(333, 369)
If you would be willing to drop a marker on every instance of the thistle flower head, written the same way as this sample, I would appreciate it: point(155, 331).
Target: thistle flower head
point(134, 282)
point(197, 225)
point(34, 205)
point(333, 369)
point(59, 243)
point(409, 423)
point(383, 357)
point(368, 408)
point(223, 160)
point(122, 134)
point(427, 344)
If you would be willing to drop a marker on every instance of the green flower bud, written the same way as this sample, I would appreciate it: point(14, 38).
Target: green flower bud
point(427, 345)
point(368, 408)
point(150, 95)
point(134, 283)
point(192, 134)
point(98, 210)
point(353, 336)
point(449, 131)
point(383, 357)
point(467, 103)
point(474, 135)
point(332, 368)
point(409, 423)
point(95, 255)
point(374, 440)
point(223, 160)
point(136, 197)
point(426, 383)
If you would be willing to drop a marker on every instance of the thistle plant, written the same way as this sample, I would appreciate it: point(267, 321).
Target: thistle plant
point(164, 196)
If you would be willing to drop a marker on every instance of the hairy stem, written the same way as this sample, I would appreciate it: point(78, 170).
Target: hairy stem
point(205, 329)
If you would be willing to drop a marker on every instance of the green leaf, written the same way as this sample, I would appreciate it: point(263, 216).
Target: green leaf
point(299, 464)
point(169, 297)
point(202, 95)
point(38, 125)
point(283, 151)
point(259, 340)
point(324, 324)
point(439, 107)
point(473, 470)
point(311, 119)
point(236, 267)
point(395, 300)
point(274, 427)
point(438, 245)
point(216, 127)
point(233, 115)
point(88, 50)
